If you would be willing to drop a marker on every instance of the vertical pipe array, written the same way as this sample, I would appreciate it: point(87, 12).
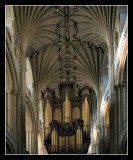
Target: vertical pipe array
point(52, 137)
point(66, 143)
point(67, 112)
point(63, 112)
point(48, 118)
point(79, 139)
point(85, 115)
point(54, 141)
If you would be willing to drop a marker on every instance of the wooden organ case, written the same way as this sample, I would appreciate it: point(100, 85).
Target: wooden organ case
point(67, 120)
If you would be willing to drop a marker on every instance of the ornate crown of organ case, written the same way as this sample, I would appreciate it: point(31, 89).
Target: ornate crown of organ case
point(67, 120)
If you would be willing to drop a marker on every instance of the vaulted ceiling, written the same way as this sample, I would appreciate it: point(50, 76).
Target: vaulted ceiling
point(65, 43)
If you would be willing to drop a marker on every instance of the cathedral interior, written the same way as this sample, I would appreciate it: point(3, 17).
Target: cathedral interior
point(66, 80)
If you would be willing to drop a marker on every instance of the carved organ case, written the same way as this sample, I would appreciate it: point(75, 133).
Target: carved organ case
point(67, 120)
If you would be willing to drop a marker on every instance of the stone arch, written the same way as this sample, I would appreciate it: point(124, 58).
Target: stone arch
point(30, 111)
point(30, 127)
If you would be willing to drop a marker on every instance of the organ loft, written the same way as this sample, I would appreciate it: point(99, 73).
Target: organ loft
point(67, 126)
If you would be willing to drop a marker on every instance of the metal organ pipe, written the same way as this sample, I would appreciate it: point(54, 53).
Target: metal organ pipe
point(48, 117)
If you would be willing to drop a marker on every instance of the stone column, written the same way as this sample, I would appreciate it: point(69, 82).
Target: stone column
point(34, 142)
point(116, 116)
point(119, 108)
point(106, 136)
point(111, 95)
point(102, 139)
point(115, 44)
point(9, 110)
point(12, 111)
point(124, 102)
point(98, 117)
point(15, 110)
point(93, 149)
point(121, 102)
point(27, 140)
point(92, 140)
point(21, 108)
point(30, 141)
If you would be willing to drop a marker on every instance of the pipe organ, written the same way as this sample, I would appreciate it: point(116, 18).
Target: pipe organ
point(67, 120)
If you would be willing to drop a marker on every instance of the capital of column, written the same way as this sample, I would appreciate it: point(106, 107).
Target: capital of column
point(9, 91)
point(15, 92)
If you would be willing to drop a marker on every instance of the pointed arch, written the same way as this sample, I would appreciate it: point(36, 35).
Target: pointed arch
point(30, 127)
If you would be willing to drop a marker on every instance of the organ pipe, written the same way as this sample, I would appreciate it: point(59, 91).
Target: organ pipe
point(48, 117)
point(67, 109)
point(54, 141)
point(85, 115)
